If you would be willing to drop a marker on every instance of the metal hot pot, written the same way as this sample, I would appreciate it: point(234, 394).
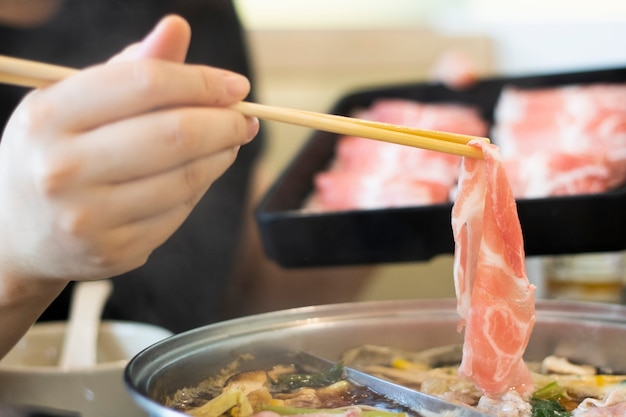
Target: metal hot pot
point(590, 333)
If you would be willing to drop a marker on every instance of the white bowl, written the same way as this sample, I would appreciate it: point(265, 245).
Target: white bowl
point(29, 374)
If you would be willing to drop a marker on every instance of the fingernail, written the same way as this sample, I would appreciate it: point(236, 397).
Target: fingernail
point(253, 127)
point(236, 84)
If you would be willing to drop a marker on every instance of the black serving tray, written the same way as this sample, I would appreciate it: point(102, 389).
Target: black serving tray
point(556, 225)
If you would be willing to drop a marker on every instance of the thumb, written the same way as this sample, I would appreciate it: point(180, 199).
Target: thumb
point(169, 40)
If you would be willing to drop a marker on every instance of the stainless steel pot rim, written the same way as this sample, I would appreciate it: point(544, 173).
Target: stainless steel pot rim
point(381, 309)
point(149, 365)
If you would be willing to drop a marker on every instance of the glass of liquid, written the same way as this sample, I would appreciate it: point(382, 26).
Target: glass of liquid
point(596, 277)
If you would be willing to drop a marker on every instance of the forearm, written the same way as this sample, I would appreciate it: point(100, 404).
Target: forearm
point(21, 302)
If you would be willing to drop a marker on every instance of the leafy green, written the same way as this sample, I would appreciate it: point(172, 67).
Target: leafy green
point(546, 401)
point(548, 408)
point(552, 391)
point(317, 379)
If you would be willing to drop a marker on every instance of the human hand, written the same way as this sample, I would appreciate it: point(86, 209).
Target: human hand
point(99, 169)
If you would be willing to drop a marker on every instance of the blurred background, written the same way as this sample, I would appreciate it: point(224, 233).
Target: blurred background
point(309, 53)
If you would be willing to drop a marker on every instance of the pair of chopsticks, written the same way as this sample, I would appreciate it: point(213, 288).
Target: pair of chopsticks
point(34, 74)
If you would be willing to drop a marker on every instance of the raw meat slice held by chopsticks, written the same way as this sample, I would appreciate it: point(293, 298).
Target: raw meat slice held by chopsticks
point(495, 298)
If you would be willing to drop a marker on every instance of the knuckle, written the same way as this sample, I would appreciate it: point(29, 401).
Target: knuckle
point(212, 88)
point(116, 254)
point(113, 254)
point(195, 178)
point(76, 222)
point(191, 202)
point(181, 136)
point(147, 77)
point(36, 114)
point(54, 174)
point(103, 261)
point(116, 263)
point(231, 154)
point(240, 127)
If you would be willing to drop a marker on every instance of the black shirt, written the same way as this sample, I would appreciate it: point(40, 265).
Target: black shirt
point(183, 283)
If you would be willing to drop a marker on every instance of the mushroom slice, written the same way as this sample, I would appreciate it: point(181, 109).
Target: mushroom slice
point(558, 365)
point(382, 355)
point(247, 381)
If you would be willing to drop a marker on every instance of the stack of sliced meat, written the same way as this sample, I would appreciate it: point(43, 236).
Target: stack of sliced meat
point(553, 141)
point(367, 174)
point(564, 140)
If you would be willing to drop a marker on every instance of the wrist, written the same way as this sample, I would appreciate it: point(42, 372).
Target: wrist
point(22, 300)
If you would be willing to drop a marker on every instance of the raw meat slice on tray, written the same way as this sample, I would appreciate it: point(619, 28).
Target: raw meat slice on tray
point(571, 137)
point(367, 174)
point(495, 299)
point(544, 174)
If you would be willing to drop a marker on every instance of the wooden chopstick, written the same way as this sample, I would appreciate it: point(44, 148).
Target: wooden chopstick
point(451, 143)
point(34, 74)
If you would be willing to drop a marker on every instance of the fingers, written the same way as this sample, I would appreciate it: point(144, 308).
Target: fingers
point(134, 170)
point(112, 229)
point(169, 41)
point(131, 88)
point(180, 187)
point(159, 141)
point(125, 248)
point(109, 163)
point(113, 206)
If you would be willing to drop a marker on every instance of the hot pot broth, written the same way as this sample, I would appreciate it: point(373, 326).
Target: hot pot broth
point(584, 333)
point(285, 388)
point(558, 382)
point(291, 389)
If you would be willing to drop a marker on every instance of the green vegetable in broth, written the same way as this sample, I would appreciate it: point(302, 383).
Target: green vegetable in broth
point(548, 408)
point(290, 382)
